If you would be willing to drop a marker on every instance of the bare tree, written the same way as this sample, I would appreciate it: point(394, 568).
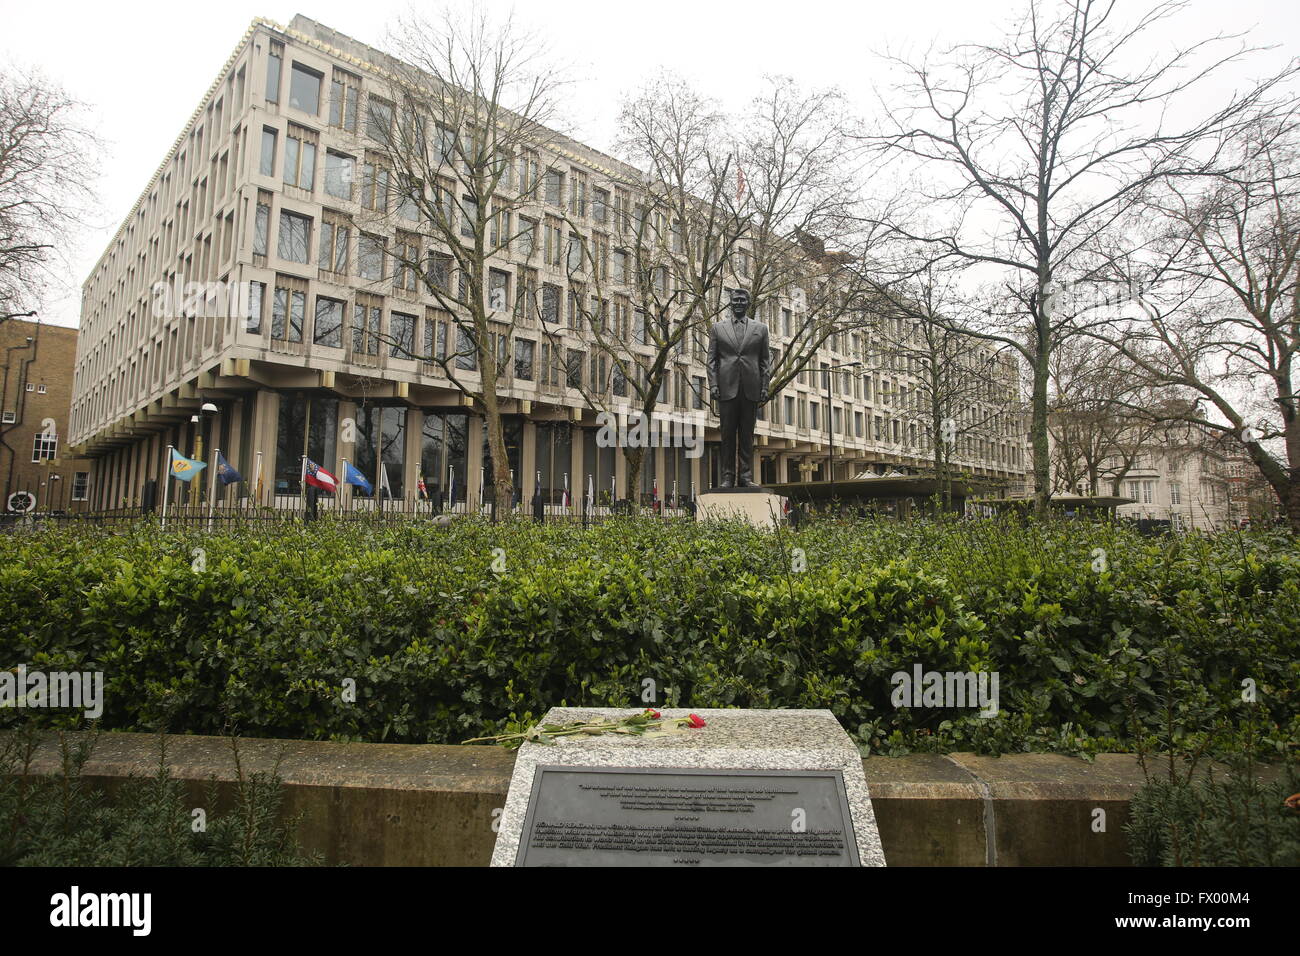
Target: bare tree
point(1032, 147)
point(962, 391)
point(1220, 300)
point(655, 277)
point(47, 168)
point(1104, 416)
point(462, 149)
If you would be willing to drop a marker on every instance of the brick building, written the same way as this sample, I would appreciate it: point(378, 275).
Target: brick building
point(35, 398)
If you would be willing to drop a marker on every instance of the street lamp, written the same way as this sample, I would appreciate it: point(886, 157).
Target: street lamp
point(830, 419)
point(207, 408)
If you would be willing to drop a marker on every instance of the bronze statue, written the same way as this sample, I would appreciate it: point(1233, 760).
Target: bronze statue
point(740, 368)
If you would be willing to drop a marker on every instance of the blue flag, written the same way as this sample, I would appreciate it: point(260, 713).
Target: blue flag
point(226, 473)
point(353, 477)
point(185, 468)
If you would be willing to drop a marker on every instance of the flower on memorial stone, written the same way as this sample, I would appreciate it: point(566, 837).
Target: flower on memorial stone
point(648, 722)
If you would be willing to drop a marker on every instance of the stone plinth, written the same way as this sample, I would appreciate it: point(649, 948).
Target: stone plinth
point(758, 506)
point(804, 753)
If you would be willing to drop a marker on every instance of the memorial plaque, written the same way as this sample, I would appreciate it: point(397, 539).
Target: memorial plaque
point(625, 816)
point(750, 788)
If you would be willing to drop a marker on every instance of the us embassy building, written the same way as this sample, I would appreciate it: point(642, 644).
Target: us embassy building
point(260, 195)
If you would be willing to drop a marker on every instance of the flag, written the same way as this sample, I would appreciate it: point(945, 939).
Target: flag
point(185, 468)
point(424, 491)
point(353, 477)
point(226, 472)
point(383, 480)
point(318, 477)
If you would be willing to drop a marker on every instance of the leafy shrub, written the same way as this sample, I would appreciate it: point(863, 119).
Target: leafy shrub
point(264, 640)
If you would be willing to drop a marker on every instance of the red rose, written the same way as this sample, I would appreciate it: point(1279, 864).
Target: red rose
point(695, 720)
point(652, 713)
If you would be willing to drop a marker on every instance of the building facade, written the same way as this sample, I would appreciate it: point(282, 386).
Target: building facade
point(35, 397)
point(260, 201)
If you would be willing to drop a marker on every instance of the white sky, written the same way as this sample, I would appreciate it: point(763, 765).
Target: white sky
point(142, 67)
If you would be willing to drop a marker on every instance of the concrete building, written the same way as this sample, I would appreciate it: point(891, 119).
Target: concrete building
point(35, 396)
point(258, 200)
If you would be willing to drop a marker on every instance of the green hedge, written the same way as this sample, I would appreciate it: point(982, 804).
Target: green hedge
point(261, 639)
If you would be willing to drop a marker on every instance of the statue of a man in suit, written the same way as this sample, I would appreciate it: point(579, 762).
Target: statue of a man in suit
point(740, 367)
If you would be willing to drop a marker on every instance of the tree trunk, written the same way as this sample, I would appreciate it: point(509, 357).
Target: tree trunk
point(1038, 435)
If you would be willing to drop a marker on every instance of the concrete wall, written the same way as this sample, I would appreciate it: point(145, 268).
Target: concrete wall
point(431, 805)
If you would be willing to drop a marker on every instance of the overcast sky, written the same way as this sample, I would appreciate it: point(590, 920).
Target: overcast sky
point(142, 67)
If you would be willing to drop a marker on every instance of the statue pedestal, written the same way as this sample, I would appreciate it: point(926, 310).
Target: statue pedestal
point(760, 507)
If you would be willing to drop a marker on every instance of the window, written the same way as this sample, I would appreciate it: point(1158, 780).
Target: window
point(620, 381)
point(304, 89)
point(256, 296)
point(698, 392)
point(527, 236)
point(267, 167)
point(45, 447)
point(498, 290)
point(789, 409)
point(574, 262)
point(329, 323)
point(406, 261)
point(339, 172)
point(288, 311)
point(620, 270)
point(466, 352)
point(334, 235)
point(439, 271)
point(295, 237)
point(365, 325)
point(469, 219)
point(1175, 493)
point(374, 187)
point(553, 187)
point(379, 119)
point(600, 205)
point(262, 227)
point(402, 329)
point(31, 387)
point(81, 486)
point(409, 193)
point(345, 93)
point(573, 368)
point(274, 64)
point(550, 303)
point(300, 158)
point(578, 194)
point(524, 359)
point(370, 256)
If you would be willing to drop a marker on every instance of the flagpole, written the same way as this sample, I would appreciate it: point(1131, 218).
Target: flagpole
point(167, 485)
point(257, 484)
point(451, 478)
point(343, 483)
point(212, 486)
point(302, 485)
point(568, 506)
